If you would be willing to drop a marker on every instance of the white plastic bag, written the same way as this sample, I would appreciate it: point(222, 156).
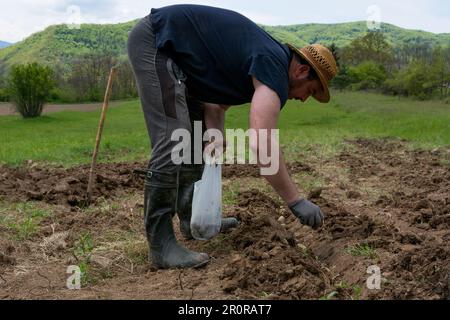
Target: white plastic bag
point(206, 218)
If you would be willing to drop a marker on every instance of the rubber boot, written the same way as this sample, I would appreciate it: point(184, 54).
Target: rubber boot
point(189, 175)
point(159, 207)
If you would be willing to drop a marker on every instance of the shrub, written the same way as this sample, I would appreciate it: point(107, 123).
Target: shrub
point(417, 80)
point(367, 75)
point(343, 79)
point(29, 87)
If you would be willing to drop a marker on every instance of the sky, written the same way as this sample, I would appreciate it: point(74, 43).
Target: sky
point(21, 18)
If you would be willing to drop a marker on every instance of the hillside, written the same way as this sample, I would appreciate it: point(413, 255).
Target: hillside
point(59, 45)
point(343, 33)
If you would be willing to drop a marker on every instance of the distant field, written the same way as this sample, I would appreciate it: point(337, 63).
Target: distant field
point(67, 138)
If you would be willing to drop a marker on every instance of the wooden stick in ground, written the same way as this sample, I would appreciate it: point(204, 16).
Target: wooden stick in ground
point(112, 76)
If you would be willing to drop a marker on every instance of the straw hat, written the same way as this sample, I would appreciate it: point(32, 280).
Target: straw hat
point(322, 61)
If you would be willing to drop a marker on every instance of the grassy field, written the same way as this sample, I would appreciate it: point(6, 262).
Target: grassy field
point(67, 138)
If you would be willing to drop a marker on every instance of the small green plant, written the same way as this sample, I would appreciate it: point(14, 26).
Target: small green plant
point(357, 290)
point(85, 273)
point(84, 246)
point(83, 252)
point(362, 250)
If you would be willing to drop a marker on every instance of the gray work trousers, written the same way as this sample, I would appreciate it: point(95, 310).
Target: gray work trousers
point(164, 98)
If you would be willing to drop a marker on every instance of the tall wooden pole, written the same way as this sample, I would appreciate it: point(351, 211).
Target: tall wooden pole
point(112, 76)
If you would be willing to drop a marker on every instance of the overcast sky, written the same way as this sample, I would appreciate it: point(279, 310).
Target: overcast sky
point(20, 18)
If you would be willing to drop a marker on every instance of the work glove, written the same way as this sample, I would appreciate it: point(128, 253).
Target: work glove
point(308, 213)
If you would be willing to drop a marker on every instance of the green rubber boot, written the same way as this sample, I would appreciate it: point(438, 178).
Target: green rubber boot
point(159, 207)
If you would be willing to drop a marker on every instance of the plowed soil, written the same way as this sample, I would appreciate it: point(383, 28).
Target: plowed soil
point(386, 206)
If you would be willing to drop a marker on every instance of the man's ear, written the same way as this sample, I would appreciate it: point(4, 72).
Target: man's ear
point(301, 71)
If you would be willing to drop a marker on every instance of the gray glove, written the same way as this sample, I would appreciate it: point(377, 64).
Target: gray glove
point(308, 213)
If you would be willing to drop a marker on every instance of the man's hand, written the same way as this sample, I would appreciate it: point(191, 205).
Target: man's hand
point(216, 148)
point(308, 213)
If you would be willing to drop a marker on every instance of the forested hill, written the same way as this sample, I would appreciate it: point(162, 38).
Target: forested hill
point(343, 33)
point(58, 45)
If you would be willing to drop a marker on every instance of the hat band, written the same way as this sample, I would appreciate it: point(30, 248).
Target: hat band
point(324, 64)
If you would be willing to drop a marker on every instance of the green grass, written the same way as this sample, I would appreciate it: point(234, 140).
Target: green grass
point(25, 223)
point(230, 192)
point(362, 250)
point(67, 138)
point(318, 128)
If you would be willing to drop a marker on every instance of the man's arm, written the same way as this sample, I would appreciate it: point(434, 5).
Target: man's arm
point(215, 119)
point(264, 115)
point(215, 116)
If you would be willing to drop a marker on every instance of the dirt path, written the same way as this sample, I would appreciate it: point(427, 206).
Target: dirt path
point(7, 109)
point(387, 208)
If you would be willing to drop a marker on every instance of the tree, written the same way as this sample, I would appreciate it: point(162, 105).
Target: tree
point(371, 47)
point(441, 68)
point(408, 52)
point(335, 51)
point(89, 76)
point(125, 85)
point(29, 88)
point(3, 90)
point(342, 79)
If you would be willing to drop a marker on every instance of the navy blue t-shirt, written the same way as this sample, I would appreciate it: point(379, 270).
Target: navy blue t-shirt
point(219, 50)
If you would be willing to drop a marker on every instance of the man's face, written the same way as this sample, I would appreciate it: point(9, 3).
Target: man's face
point(303, 89)
point(300, 86)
